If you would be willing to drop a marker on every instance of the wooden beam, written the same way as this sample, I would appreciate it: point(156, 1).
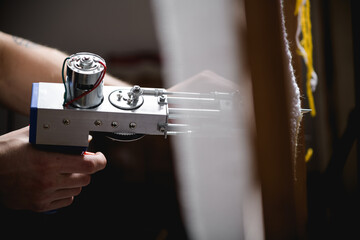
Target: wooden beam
point(270, 78)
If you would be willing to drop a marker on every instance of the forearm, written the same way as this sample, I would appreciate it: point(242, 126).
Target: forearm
point(22, 63)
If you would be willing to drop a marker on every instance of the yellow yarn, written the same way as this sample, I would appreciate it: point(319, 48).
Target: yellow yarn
point(309, 154)
point(303, 8)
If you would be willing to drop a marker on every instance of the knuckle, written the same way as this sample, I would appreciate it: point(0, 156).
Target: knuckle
point(44, 167)
point(89, 166)
point(39, 206)
point(94, 163)
point(45, 183)
point(68, 202)
point(102, 160)
point(86, 180)
point(77, 191)
point(41, 160)
point(39, 202)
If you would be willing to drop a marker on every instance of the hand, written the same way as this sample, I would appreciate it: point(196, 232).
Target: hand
point(205, 82)
point(41, 181)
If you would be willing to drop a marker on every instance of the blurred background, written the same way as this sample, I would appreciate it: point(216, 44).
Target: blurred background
point(333, 171)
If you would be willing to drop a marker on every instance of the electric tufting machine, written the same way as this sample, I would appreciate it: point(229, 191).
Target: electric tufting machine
point(63, 115)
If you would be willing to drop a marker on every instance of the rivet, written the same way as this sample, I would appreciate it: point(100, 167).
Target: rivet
point(98, 123)
point(66, 121)
point(132, 125)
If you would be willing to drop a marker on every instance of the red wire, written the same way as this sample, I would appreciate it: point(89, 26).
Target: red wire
point(97, 83)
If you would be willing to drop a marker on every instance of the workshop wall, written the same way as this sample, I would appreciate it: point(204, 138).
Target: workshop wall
point(103, 26)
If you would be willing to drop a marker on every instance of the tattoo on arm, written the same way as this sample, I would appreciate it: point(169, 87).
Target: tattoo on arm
point(23, 42)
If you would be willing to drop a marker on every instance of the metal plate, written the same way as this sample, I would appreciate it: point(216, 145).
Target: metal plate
point(118, 98)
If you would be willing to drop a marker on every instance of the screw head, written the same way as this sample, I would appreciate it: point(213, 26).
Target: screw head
point(136, 89)
point(114, 124)
point(98, 123)
point(119, 96)
point(66, 121)
point(162, 99)
point(132, 125)
point(46, 126)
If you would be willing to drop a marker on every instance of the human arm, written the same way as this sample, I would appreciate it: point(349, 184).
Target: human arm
point(22, 63)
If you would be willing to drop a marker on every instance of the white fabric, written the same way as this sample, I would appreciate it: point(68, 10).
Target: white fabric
point(218, 197)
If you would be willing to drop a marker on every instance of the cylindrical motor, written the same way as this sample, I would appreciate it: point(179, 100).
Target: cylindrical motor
point(83, 73)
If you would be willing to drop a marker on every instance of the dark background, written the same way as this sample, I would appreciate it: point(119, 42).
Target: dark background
point(135, 196)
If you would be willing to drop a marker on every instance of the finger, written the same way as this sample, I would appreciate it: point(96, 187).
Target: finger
point(73, 180)
point(83, 164)
point(60, 203)
point(94, 162)
point(88, 153)
point(64, 193)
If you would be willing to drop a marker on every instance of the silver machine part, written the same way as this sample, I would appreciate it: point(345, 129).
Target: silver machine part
point(151, 111)
point(61, 126)
point(83, 70)
point(127, 100)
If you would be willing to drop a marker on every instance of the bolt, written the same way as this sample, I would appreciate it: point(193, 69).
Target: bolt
point(46, 126)
point(162, 129)
point(114, 124)
point(134, 94)
point(66, 121)
point(97, 123)
point(136, 89)
point(119, 96)
point(162, 99)
point(132, 125)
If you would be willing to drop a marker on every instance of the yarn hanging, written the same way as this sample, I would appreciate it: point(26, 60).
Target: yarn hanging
point(305, 47)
